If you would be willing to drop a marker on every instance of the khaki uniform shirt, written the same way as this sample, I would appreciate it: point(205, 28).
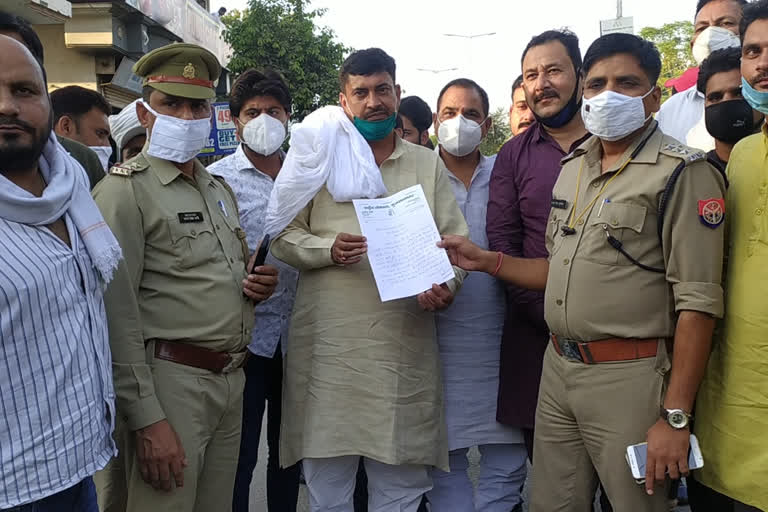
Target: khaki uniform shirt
point(181, 280)
point(593, 291)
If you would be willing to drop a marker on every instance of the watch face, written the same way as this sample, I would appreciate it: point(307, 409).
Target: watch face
point(678, 419)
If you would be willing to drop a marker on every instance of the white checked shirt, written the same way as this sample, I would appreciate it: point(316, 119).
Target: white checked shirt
point(56, 397)
point(253, 188)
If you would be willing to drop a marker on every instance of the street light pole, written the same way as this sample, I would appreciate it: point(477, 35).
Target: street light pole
point(618, 9)
point(470, 38)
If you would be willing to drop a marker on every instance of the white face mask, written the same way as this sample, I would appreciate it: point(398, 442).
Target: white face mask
point(177, 140)
point(264, 134)
point(711, 40)
point(459, 136)
point(612, 116)
point(103, 152)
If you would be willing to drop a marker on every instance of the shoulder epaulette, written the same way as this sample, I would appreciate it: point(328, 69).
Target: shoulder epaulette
point(683, 152)
point(137, 164)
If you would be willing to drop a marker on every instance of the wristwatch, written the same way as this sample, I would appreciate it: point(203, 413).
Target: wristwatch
point(677, 418)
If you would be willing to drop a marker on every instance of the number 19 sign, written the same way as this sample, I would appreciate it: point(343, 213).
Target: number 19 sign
point(223, 138)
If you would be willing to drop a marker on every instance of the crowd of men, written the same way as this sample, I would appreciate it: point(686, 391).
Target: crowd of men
point(606, 288)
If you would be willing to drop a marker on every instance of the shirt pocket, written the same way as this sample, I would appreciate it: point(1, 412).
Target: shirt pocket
point(625, 221)
point(554, 236)
point(194, 244)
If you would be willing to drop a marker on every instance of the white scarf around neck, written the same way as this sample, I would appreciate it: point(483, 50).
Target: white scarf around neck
point(66, 192)
point(326, 149)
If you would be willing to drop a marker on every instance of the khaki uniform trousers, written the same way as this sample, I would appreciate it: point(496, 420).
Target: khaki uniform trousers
point(205, 409)
point(586, 417)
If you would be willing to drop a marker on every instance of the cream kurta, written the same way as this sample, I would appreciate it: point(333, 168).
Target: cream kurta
point(362, 377)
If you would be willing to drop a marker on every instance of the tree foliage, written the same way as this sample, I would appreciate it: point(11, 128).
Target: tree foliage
point(284, 35)
point(498, 134)
point(674, 43)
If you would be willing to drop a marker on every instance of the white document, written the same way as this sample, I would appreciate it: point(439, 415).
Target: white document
point(402, 244)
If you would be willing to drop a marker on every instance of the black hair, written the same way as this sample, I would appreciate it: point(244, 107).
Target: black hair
point(613, 44)
point(366, 63)
point(253, 83)
point(222, 11)
point(700, 5)
point(417, 111)
point(564, 37)
point(17, 24)
point(398, 122)
point(753, 12)
point(467, 84)
point(75, 101)
point(719, 61)
point(516, 85)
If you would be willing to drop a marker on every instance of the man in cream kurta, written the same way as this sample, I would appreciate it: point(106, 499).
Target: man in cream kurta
point(362, 377)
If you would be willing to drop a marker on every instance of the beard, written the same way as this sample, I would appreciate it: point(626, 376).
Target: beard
point(17, 156)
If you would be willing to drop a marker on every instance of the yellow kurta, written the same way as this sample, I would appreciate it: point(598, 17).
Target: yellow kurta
point(362, 377)
point(732, 407)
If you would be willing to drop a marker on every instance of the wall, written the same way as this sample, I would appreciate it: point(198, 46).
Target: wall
point(63, 65)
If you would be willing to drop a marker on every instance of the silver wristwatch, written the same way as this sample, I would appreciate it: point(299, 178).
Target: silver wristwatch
point(677, 418)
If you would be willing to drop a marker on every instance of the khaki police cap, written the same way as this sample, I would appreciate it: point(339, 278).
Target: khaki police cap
point(180, 69)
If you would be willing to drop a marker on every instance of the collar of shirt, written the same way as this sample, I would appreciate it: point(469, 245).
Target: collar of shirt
point(592, 151)
point(541, 136)
point(484, 167)
point(398, 152)
point(167, 172)
point(240, 161)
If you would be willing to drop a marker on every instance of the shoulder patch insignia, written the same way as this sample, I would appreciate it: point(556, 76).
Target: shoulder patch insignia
point(712, 212)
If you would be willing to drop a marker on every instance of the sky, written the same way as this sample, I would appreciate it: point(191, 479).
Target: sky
point(412, 31)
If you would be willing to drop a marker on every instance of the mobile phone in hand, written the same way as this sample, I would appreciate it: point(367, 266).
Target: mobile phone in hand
point(261, 256)
point(637, 455)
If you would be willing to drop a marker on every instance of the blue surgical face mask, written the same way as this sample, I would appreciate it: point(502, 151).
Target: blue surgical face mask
point(375, 130)
point(758, 100)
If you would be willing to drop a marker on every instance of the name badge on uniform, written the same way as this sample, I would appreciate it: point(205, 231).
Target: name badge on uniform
point(188, 217)
point(560, 204)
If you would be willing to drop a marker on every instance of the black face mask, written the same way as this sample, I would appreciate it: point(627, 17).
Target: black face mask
point(730, 121)
point(564, 117)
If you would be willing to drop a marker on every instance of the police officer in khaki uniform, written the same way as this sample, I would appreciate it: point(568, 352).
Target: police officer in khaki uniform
point(180, 308)
point(635, 244)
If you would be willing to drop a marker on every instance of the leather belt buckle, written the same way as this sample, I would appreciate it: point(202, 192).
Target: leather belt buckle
point(568, 349)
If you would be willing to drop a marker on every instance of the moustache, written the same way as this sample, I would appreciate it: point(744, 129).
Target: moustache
point(523, 124)
point(377, 111)
point(545, 95)
point(760, 77)
point(10, 122)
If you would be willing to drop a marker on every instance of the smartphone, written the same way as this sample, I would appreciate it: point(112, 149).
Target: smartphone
point(261, 256)
point(637, 456)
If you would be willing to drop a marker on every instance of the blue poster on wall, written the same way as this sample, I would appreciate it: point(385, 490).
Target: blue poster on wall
point(223, 139)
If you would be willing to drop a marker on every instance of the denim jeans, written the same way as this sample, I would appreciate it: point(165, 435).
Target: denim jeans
point(78, 498)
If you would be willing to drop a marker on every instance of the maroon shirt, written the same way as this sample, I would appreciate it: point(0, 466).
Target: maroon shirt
point(519, 204)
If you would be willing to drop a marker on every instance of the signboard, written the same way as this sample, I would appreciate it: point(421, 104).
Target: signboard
point(125, 79)
point(223, 139)
point(625, 25)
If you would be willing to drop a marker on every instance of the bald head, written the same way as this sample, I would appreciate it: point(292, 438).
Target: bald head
point(25, 109)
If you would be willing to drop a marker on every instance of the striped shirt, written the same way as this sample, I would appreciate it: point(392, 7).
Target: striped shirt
point(56, 395)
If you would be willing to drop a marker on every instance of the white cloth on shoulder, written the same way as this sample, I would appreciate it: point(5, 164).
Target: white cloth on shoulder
point(326, 149)
point(67, 191)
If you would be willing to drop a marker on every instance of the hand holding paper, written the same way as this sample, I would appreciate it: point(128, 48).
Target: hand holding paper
point(402, 245)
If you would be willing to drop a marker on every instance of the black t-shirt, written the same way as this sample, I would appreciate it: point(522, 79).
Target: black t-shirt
point(716, 161)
